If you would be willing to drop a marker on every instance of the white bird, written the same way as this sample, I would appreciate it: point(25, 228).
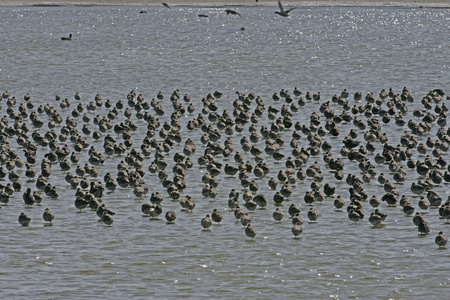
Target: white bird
point(282, 12)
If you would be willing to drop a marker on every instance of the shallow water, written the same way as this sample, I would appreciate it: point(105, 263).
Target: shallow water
point(117, 49)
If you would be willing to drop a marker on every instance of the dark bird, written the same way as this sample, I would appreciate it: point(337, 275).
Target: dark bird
point(282, 12)
point(145, 208)
point(277, 215)
point(107, 218)
point(166, 5)
point(102, 209)
point(206, 222)
point(417, 219)
point(375, 219)
point(354, 216)
point(170, 216)
point(67, 38)
point(24, 219)
point(233, 12)
point(250, 231)
point(81, 203)
point(350, 144)
point(216, 216)
point(155, 210)
point(441, 240)
point(313, 214)
point(48, 215)
point(338, 202)
point(297, 229)
point(293, 209)
point(424, 227)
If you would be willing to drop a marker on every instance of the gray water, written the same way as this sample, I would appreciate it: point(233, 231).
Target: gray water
point(117, 49)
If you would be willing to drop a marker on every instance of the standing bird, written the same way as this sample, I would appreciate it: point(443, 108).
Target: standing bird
point(354, 216)
point(313, 214)
point(277, 215)
point(102, 209)
point(293, 209)
point(441, 240)
point(250, 231)
point(374, 201)
point(48, 215)
point(338, 202)
point(170, 216)
point(375, 219)
point(206, 222)
point(24, 219)
point(297, 229)
point(245, 220)
point(107, 218)
point(155, 210)
point(282, 12)
point(424, 227)
point(216, 216)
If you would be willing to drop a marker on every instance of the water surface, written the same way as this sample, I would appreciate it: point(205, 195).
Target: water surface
point(116, 49)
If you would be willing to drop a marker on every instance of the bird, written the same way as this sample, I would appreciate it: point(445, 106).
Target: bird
point(381, 214)
point(338, 202)
point(48, 215)
point(170, 216)
point(282, 12)
point(232, 12)
point(297, 229)
point(313, 214)
point(216, 216)
point(245, 220)
point(250, 231)
point(82, 203)
point(441, 239)
point(155, 210)
point(24, 219)
point(277, 215)
point(102, 209)
point(424, 227)
point(374, 201)
point(375, 219)
point(67, 38)
point(297, 219)
point(165, 4)
point(354, 216)
point(238, 212)
point(107, 218)
point(145, 208)
point(293, 209)
point(408, 209)
point(206, 222)
point(417, 219)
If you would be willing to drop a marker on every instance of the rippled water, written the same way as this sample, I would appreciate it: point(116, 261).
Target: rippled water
point(116, 49)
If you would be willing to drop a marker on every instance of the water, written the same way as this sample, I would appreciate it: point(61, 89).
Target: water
point(117, 49)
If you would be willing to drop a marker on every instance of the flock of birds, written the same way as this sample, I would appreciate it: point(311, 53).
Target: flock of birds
point(59, 135)
point(282, 12)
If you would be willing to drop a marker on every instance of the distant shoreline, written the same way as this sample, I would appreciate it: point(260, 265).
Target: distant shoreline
point(212, 3)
